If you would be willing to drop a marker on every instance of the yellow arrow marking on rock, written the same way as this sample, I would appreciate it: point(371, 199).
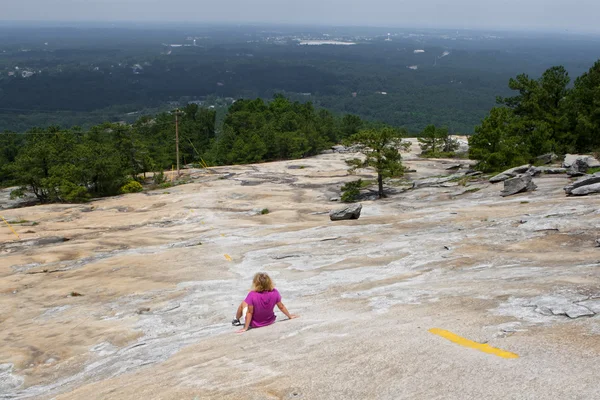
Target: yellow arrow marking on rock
point(227, 257)
point(474, 345)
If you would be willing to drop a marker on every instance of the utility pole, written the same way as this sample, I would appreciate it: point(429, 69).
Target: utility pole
point(177, 114)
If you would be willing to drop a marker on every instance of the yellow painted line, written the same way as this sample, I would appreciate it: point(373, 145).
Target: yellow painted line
point(11, 228)
point(227, 257)
point(473, 345)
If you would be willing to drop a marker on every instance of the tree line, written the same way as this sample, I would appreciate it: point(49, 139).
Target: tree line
point(70, 165)
point(546, 115)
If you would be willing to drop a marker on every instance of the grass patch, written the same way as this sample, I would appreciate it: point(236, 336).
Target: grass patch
point(593, 170)
point(23, 222)
point(524, 202)
point(472, 190)
point(264, 211)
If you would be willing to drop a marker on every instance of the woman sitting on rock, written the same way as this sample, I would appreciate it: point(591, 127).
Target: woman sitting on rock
point(257, 308)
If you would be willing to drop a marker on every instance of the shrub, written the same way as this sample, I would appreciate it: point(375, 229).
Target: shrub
point(159, 177)
point(72, 193)
point(264, 211)
point(17, 193)
point(405, 145)
point(132, 187)
point(351, 191)
point(593, 170)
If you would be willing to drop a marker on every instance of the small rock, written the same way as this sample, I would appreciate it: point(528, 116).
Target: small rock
point(592, 304)
point(579, 311)
point(521, 183)
point(585, 190)
point(143, 310)
point(597, 242)
point(510, 173)
point(334, 199)
point(587, 180)
point(501, 177)
point(547, 158)
point(586, 161)
point(544, 311)
point(454, 167)
point(328, 151)
point(339, 148)
point(350, 212)
point(474, 173)
point(550, 170)
point(534, 171)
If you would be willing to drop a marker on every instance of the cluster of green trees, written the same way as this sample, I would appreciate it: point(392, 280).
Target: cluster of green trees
point(547, 115)
point(437, 142)
point(256, 131)
point(67, 165)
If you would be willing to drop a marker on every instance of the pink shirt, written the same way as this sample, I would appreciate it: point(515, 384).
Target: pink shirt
point(263, 303)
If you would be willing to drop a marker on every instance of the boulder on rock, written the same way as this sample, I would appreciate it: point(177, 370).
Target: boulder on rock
point(577, 164)
point(534, 171)
point(350, 212)
point(518, 184)
point(510, 173)
point(586, 180)
point(547, 158)
point(551, 170)
point(585, 190)
point(501, 177)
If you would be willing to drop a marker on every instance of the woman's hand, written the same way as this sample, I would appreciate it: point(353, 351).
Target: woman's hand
point(292, 316)
point(242, 330)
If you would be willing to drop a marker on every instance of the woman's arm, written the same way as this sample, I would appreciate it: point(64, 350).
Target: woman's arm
point(248, 319)
point(285, 311)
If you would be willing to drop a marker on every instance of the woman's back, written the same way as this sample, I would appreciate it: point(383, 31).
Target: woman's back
point(263, 303)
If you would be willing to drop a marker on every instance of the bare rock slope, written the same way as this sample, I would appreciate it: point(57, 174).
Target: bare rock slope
point(137, 303)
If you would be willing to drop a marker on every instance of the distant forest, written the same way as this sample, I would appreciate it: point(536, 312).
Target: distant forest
point(81, 77)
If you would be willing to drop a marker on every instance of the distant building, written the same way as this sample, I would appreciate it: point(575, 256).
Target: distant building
point(354, 94)
point(137, 69)
point(26, 74)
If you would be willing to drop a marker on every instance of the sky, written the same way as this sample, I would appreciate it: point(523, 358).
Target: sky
point(548, 15)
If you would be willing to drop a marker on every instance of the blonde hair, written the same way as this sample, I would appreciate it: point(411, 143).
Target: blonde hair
point(262, 283)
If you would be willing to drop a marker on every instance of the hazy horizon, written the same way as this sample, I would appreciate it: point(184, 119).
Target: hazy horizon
point(510, 15)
